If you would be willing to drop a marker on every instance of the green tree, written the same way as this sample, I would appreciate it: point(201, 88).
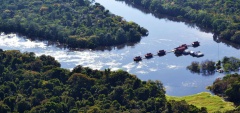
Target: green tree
point(233, 92)
point(10, 101)
point(4, 108)
point(23, 106)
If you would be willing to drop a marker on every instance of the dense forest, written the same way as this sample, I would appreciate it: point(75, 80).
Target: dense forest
point(222, 16)
point(76, 23)
point(38, 84)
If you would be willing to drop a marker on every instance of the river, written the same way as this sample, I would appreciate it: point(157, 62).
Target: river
point(163, 34)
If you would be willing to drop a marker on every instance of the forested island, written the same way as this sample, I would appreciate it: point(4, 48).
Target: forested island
point(75, 23)
point(221, 16)
point(38, 84)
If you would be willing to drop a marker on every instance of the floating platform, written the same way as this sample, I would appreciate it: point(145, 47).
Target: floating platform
point(178, 51)
point(137, 58)
point(149, 55)
point(161, 53)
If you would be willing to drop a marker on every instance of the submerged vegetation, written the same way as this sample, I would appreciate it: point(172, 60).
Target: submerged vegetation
point(207, 67)
point(77, 23)
point(38, 84)
point(222, 16)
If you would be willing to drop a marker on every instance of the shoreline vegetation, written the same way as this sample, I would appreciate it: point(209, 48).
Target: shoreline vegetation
point(39, 84)
point(208, 67)
point(227, 87)
point(212, 102)
point(75, 23)
point(219, 16)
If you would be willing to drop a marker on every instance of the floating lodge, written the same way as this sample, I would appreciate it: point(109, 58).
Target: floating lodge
point(149, 55)
point(182, 49)
point(137, 58)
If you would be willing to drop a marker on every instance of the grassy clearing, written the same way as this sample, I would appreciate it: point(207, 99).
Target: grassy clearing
point(213, 103)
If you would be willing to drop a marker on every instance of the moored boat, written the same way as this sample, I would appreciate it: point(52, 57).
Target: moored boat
point(179, 50)
point(161, 52)
point(196, 44)
point(137, 58)
point(184, 45)
point(191, 52)
point(149, 55)
point(186, 52)
point(196, 54)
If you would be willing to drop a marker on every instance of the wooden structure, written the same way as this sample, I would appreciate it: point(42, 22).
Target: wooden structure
point(137, 58)
point(149, 55)
point(196, 44)
point(161, 52)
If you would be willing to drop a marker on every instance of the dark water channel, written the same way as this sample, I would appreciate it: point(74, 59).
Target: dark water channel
point(163, 34)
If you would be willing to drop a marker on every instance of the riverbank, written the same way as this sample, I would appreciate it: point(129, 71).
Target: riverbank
point(212, 102)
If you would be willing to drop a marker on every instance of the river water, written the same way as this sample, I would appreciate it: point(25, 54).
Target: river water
point(163, 34)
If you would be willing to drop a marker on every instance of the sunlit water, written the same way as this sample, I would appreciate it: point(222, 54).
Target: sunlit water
point(164, 34)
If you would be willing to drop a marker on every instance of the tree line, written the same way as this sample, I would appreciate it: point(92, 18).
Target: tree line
point(37, 84)
point(228, 87)
point(76, 23)
point(208, 67)
point(221, 16)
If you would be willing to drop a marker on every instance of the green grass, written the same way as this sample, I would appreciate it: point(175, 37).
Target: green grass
point(213, 103)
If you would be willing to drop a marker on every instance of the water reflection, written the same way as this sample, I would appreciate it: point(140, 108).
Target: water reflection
point(227, 43)
point(168, 18)
point(187, 23)
point(204, 73)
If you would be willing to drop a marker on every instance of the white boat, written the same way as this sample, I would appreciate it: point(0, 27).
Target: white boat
point(191, 52)
point(186, 52)
point(198, 54)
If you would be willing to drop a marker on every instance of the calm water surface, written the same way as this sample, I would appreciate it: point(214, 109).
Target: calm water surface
point(163, 34)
